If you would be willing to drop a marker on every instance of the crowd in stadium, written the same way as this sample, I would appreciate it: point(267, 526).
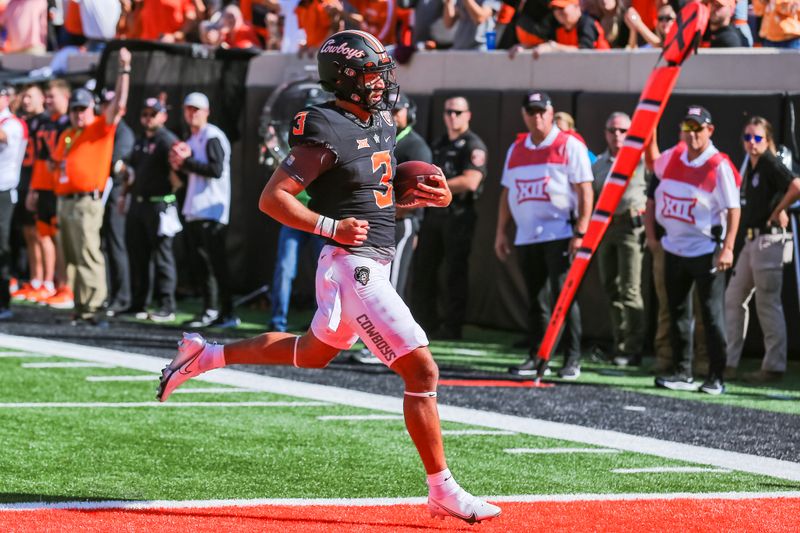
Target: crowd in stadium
point(541, 26)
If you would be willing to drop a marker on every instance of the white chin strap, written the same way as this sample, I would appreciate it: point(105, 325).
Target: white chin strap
point(432, 394)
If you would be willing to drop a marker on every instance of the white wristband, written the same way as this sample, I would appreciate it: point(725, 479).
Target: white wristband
point(325, 227)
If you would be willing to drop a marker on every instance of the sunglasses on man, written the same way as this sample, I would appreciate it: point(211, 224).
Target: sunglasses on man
point(623, 131)
point(692, 127)
point(456, 112)
point(666, 18)
point(754, 138)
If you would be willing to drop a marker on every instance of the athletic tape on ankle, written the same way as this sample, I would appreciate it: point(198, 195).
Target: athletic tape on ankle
point(325, 227)
point(294, 352)
point(432, 394)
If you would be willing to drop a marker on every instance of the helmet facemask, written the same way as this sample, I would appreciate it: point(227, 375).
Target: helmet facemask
point(352, 87)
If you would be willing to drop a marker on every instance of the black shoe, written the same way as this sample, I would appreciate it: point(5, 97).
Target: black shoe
point(115, 309)
point(161, 316)
point(713, 386)
point(226, 322)
point(571, 370)
point(202, 321)
point(530, 367)
point(677, 382)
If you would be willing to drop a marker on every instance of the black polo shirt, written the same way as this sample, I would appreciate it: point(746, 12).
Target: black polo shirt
point(762, 189)
point(150, 163)
point(465, 152)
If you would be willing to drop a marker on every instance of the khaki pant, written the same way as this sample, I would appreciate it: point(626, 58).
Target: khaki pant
point(80, 220)
point(620, 261)
point(661, 344)
point(759, 272)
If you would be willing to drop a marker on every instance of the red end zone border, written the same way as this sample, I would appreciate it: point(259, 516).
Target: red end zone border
point(767, 514)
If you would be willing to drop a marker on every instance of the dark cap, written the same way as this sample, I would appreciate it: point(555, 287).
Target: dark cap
point(402, 102)
point(81, 97)
point(698, 114)
point(154, 104)
point(537, 100)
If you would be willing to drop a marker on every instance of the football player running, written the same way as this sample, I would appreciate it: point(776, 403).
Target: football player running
point(343, 154)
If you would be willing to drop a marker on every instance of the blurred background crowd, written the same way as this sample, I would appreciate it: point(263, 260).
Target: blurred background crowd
point(300, 26)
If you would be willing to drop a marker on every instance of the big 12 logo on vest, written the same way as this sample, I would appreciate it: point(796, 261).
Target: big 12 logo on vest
point(679, 208)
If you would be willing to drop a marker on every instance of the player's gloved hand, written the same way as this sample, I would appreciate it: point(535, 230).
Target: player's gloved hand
point(351, 231)
point(430, 196)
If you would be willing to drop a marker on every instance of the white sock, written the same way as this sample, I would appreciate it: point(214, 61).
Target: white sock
point(213, 357)
point(442, 483)
point(49, 286)
point(36, 283)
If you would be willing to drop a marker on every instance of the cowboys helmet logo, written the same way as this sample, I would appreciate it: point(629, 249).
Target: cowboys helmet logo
point(362, 275)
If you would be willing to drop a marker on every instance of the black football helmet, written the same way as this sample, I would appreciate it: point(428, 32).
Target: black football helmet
point(343, 60)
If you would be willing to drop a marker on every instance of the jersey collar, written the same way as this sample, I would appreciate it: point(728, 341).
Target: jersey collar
point(699, 161)
point(545, 143)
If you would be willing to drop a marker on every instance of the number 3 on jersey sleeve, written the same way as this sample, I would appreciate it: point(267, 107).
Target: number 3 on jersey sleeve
point(299, 123)
point(384, 159)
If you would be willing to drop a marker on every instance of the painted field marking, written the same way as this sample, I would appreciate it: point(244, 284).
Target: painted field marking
point(22, 355)
point(741, 462)
point(559, 450)
point(67, 365)
point(153, 378)
point(670, 469)
point(117, 405)
point(211, 390)
point(635, 408)
point(465, 432)
point(374, 502)
point(361, 417)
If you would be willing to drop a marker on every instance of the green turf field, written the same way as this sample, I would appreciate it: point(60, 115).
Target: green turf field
point(207, 452)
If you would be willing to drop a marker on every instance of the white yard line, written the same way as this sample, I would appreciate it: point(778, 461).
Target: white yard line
point(635, 408)
point(118, 405)
point(742, 462)
point(559, 450)
point(153, 378)
point(669, 470)
point(66, 365)
point(212, 390)
point(467, 432)
point(370, 502)
point(22, 355)
point(361, 417)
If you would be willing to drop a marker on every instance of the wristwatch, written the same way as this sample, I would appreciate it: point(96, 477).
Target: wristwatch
point(578, 234)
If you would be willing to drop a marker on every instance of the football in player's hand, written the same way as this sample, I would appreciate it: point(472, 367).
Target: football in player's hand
point(408, 175)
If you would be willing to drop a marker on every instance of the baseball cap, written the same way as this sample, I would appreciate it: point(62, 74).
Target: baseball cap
point(198, 100)
point(563, 3)
point(81, 97)
point(537, 100)
point(402, 102)
point(154, 104)
point(698, 114)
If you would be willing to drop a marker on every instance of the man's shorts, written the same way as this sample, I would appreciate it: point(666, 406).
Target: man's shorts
point(46, 219)
point(356, 299)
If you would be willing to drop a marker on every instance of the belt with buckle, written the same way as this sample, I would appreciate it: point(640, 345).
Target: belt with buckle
point(754, 233)
point(94, 195)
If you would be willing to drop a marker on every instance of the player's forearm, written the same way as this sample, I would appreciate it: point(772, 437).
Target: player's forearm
point(468, 181)
point(791, 196)
point(286, 209)
point(585, 200)
point(732, 217)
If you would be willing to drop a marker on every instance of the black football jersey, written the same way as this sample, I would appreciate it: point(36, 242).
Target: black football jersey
point(47, 136)
point(360, 182)
point(34, 123)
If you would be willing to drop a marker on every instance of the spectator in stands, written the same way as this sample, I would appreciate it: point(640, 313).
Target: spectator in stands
point(546, 183)
point(721, 32)
point(319, 19)
point(531, 24)
point(665, 18)
point(113, 230)
point(740, 20)
point(780, 23)
point(25, 25)
point(768, 189)
point(695, 198)
point(445, 238)
point(379, 17)
point(83, 157)
point(235, 32)
point(284, 30)
point(166, 20)
point(620, 253)
point(150, 220)
point(472, 19)
point(429, 30)
point(205, 159)
point(99, 19)
point(13, 139)
point(568, 28)
point(611, 15)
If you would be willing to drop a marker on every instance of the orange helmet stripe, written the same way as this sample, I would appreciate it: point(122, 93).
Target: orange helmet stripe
point(370, 39)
